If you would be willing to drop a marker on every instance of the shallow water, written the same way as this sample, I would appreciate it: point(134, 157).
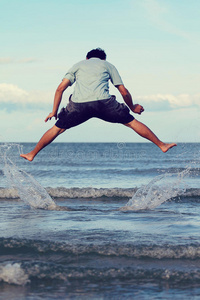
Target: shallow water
point(97, 250)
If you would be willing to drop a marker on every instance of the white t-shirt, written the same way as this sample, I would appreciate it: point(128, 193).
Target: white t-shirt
point(92, 79)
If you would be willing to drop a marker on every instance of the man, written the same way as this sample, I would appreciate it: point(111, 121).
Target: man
point(91, 98)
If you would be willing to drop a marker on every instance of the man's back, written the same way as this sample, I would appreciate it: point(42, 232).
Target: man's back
point(92, 79)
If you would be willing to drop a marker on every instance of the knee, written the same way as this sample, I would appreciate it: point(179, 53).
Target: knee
point(130, 124)
point(61, 130)
point(58, 130)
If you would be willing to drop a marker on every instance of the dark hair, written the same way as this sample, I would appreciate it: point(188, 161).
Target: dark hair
point(98, 52)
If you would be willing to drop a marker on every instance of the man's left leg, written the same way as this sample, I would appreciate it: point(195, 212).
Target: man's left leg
point(45, 140)
point(146, 133)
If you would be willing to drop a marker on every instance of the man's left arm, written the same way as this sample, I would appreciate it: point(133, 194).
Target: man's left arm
point(136, 108)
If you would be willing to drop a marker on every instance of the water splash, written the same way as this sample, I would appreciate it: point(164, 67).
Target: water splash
point(29, 190)
point(157, 191)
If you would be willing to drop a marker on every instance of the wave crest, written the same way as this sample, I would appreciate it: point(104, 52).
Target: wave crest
point(15, 246)
point(89, 192)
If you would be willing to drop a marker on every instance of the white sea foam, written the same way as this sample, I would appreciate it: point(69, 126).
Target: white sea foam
point(157, 191)
point(91, 193)
point(8, 193)
point(66, 249)
point(42, 271)
point(13, 274)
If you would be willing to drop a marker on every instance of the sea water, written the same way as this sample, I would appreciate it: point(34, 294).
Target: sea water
point(131, 229)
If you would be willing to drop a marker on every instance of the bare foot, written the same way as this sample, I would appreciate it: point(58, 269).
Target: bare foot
point(165, 147)
point(27, 156)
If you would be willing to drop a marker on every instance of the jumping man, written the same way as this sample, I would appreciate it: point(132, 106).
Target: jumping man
point(91, 98)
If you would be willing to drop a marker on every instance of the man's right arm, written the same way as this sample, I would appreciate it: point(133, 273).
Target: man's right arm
point(58, 97)
point(136, 108)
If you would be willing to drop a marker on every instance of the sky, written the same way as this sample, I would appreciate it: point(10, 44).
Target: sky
point(154, 44)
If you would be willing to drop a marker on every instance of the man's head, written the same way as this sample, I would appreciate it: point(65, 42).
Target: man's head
point(98, 52)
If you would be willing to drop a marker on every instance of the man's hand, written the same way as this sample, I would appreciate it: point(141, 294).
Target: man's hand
point(57, 98)
point(51, 115)
point(137, 109)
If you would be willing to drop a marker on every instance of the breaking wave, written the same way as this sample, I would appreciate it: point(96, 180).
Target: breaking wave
point(159, 252)
point(98, 262)
point(73, 193)
point(22, 274)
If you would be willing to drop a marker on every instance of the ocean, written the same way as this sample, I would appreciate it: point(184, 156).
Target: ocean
point(100, 221)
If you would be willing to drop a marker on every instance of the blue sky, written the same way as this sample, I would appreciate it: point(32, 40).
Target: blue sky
point(154, 44)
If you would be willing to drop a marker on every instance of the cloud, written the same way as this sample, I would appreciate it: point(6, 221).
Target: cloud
point(159, 13)
point(13, 98)
point(6, 60)
point(26, 60)
point(10, 60)
point(12, 93)
point(169, 102)
point(154, 7)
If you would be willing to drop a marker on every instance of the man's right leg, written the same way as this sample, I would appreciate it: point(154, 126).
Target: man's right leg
point(46, 139)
